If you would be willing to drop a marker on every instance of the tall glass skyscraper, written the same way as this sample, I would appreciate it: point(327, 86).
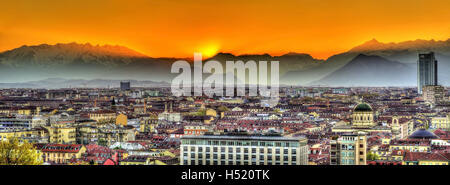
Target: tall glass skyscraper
point(427, 71)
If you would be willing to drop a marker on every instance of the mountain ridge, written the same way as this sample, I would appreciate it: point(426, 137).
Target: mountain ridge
point(73, 60)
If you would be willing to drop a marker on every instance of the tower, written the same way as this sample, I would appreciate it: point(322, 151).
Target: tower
point(427, 71)
point(125, 86)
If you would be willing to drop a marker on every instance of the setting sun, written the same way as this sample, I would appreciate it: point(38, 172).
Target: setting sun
point(209, 50)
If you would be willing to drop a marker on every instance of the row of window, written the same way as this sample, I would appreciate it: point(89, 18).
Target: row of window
point(239, 143)
point(238, 150)
point(230, 162)
point(237, 157)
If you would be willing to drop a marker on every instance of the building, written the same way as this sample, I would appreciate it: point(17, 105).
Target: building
point(195, 130)
point(122, 119)
point(103, 116)
point(61, 153)
point(349, 149)
point(427, 71)
point(243, 150)
point(125, 86)
point(62, 134)
point(15, 124)
point(433, 94)
point(363, 116)
point(362, 121)
point(441, 122)
point(424, 158)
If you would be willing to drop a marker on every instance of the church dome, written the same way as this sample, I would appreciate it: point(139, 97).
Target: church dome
point(422, 134)
point(364, 107)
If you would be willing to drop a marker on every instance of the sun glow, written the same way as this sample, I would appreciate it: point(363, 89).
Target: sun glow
point(209, 50)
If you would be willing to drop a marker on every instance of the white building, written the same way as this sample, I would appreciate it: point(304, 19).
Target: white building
point(243, 150)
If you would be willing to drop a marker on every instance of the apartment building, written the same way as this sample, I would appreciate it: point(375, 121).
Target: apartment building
point(243, 150)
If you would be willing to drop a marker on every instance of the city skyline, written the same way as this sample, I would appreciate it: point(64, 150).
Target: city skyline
point(242, 84)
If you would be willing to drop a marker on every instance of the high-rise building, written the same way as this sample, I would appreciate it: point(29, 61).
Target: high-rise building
point(125, 86)
point(349, 149)
point(427, 71)
point(243, 150)
point(433, 94)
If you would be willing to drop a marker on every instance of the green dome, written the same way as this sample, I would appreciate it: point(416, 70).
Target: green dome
point(363, 107)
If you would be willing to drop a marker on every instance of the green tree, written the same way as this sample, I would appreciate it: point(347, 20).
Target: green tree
point(102, 142)
point(200, 112)
point(14, 152)
point(223, 109)
point(372, 156)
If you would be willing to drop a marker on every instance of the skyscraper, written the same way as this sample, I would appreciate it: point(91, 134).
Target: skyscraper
point(427, 71)
point(125, 86)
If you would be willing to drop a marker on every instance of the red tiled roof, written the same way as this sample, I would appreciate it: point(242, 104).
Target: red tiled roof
point(423, 156)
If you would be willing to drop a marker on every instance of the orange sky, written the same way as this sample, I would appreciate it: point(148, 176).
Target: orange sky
point(160, 28)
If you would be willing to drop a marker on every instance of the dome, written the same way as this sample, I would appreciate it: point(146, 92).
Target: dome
point(422, 134)
point(363, 107)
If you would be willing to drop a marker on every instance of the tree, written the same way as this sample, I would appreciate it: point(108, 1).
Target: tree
point(372, 156)
point(14, 152)
point(102, 142)
point(223, 109)
point(200, 112)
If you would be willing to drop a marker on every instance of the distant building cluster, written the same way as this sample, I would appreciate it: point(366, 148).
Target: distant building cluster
point(309, 126)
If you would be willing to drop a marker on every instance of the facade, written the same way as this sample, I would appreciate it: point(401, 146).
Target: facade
point(349, 149)
point(433, 94)
point(427, 71)
point(103, 116)
point(62, 134)
point(243, 150)
point(15, 124)
point(195, 130)
point(62, 153)
point(442, 122)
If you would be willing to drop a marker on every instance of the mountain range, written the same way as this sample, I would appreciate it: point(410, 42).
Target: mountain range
point(371, 64)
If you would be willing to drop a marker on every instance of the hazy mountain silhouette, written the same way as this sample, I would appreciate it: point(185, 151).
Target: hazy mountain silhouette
point(366, 70)
point(86, 61)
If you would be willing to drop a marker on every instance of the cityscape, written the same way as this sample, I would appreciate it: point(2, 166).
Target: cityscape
point(129, 125)
point(313, 83)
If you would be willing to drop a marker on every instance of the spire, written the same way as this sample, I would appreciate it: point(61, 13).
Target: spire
point(145, 106)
